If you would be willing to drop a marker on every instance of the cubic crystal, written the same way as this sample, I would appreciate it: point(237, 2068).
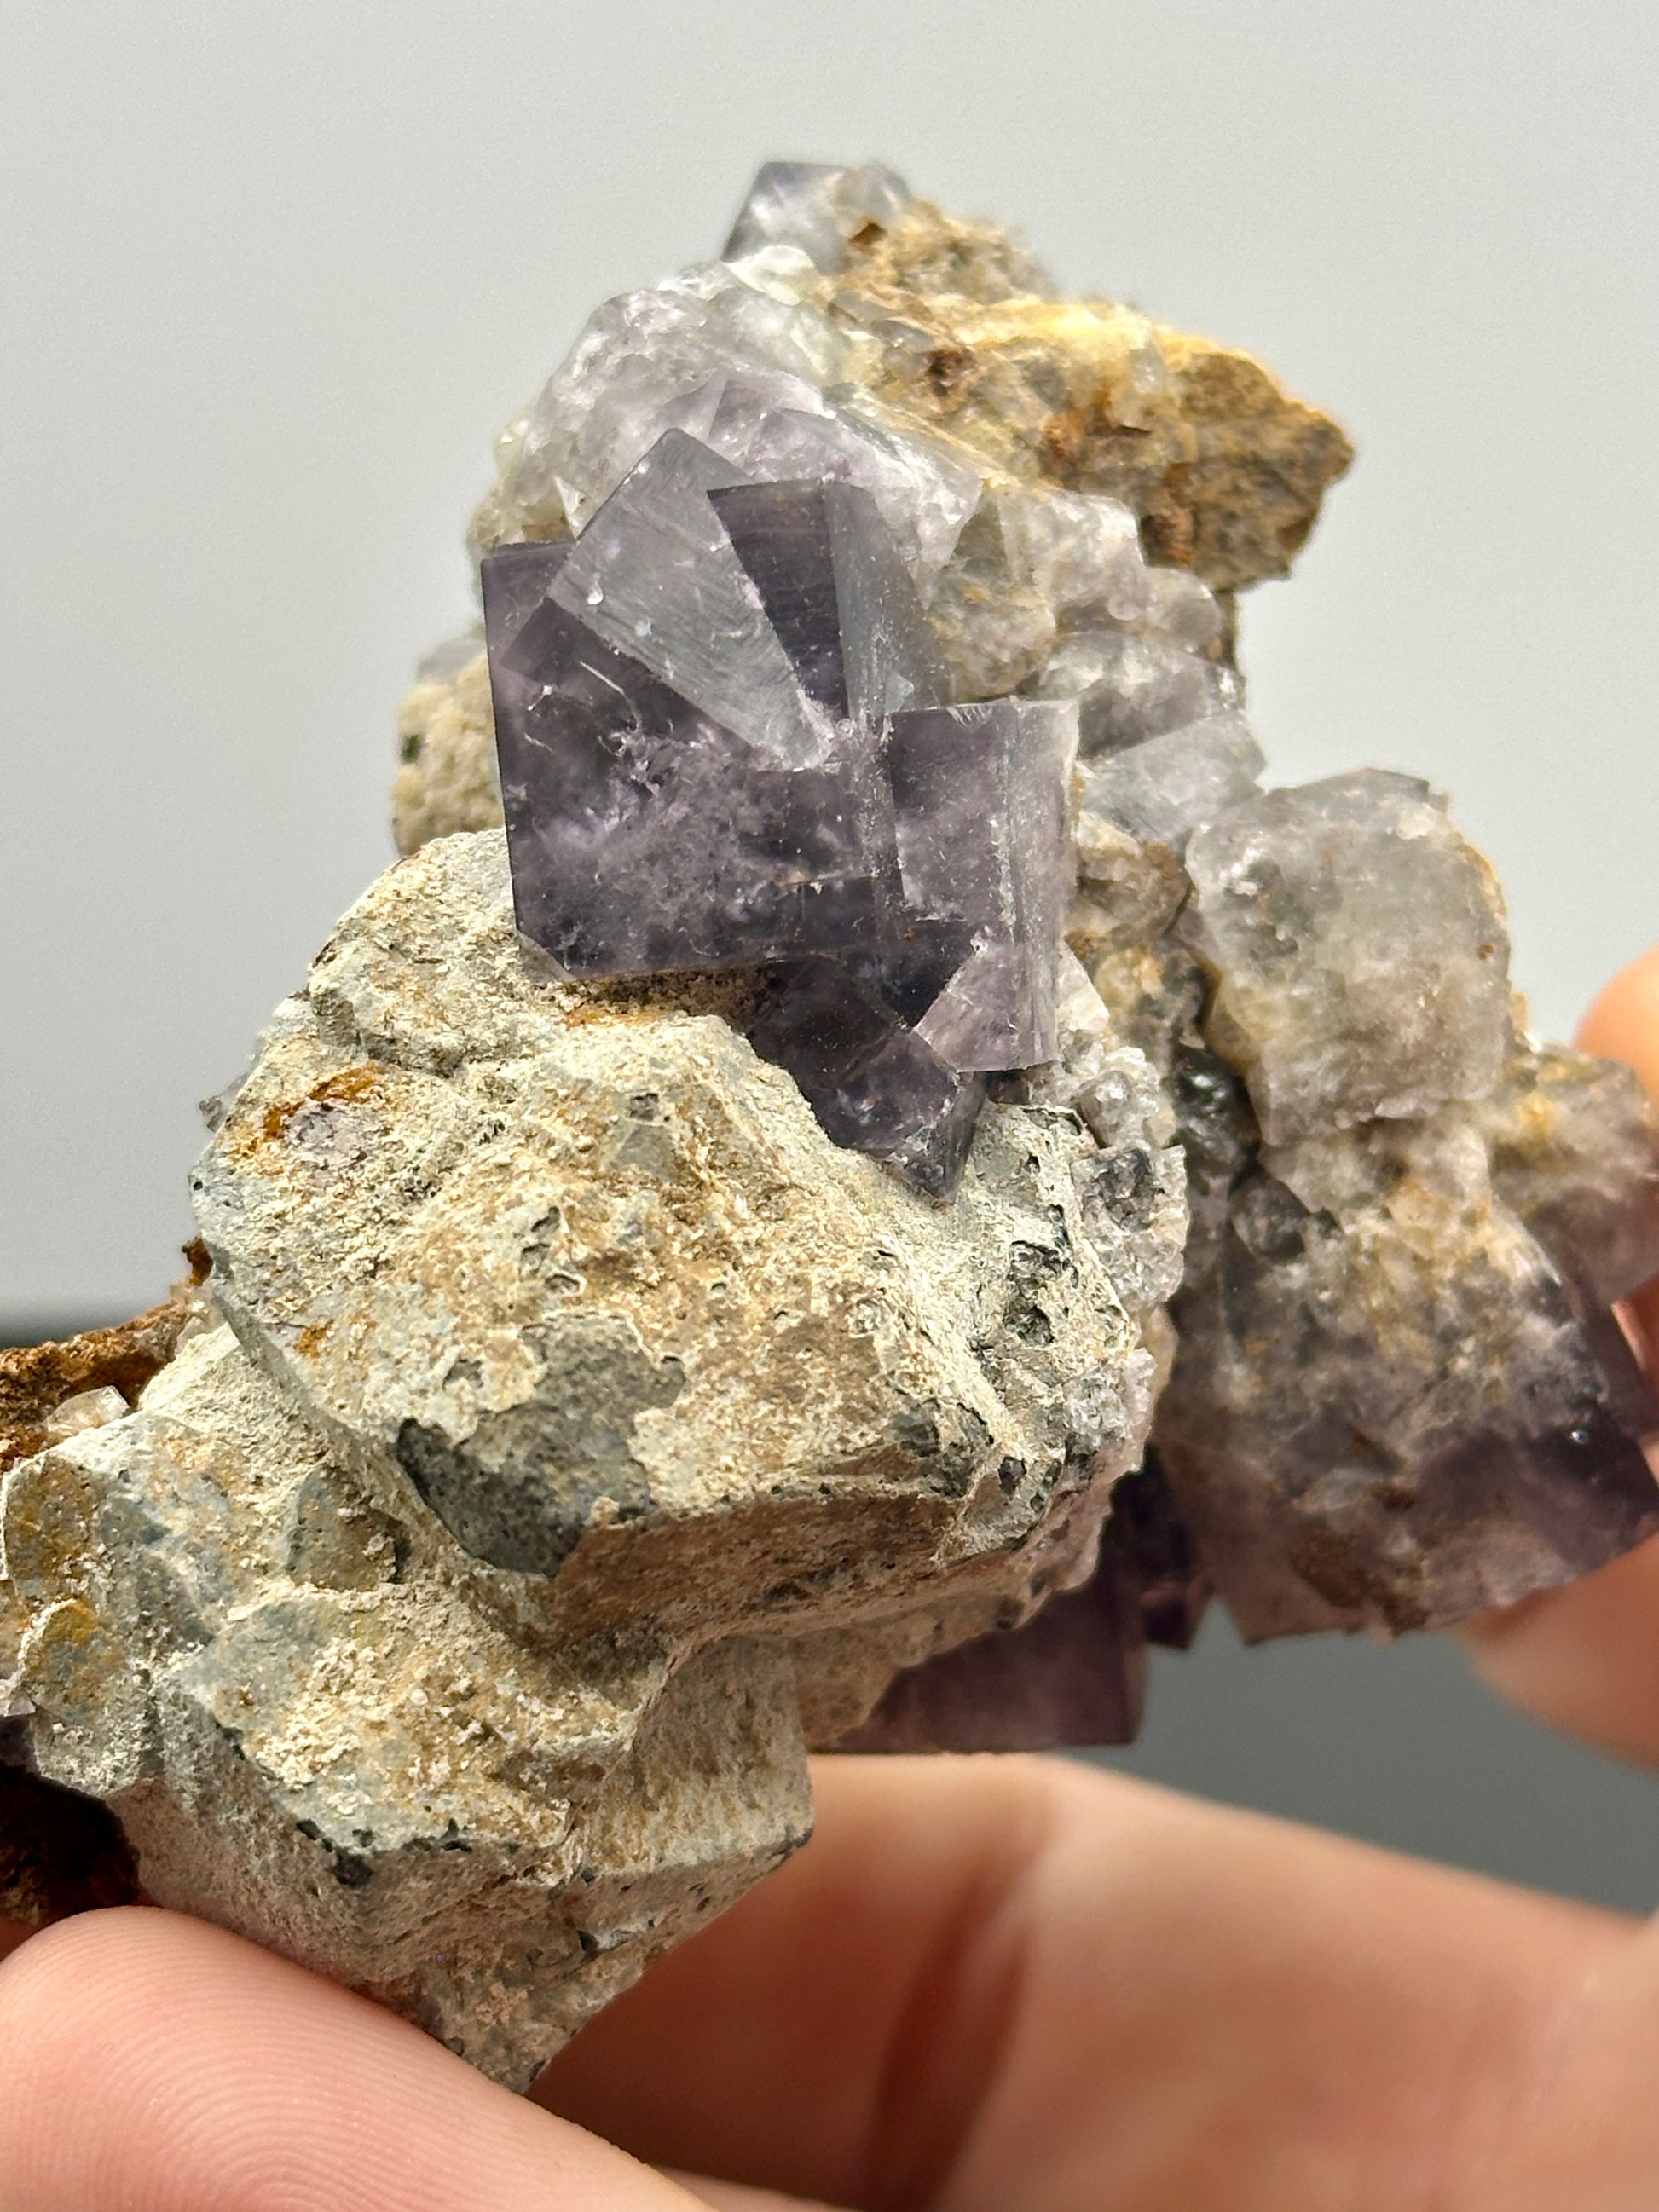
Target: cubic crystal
point(592, 1435)
point(723, 691)
point(1359, 948)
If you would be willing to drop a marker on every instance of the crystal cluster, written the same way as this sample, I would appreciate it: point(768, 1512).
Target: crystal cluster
point(881, 1171)
point(723, 743)
point(1401, 1394)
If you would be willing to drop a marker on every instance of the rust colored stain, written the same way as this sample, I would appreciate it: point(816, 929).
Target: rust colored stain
point(36, 1378)
point(345, 1088)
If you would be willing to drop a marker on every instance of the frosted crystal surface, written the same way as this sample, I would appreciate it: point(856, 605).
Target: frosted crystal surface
point(814, 206)
point(1163, 787)
point(1360, 951)
point(1129, 686)
point(1388, 1409)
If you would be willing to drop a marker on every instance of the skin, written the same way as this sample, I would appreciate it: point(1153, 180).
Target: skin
point(988, 1985)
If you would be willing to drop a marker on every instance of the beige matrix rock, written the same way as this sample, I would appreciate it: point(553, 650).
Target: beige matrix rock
point(589, 1436)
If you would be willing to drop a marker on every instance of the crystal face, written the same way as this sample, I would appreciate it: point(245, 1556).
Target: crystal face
point(722, 744)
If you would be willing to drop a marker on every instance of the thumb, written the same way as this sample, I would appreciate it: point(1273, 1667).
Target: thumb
point(1585, 1658)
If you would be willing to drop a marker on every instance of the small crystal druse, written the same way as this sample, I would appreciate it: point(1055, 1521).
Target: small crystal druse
point(859, 1171)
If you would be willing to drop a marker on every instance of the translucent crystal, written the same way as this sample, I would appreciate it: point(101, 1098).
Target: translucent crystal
point(980, 809)
point(874, 1085)
point(737, 360)
point(839, 599)
point(1576, 1153)
point(1162, 788)
point(715, 692)
point(1360, 951)
point(813, 205)
point(656, 576)
point(611, 780)
point(1074, 1675)
point(1129, 687)
point(1388, 1409)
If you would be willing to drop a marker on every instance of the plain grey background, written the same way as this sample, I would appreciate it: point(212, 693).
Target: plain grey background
point(271, 276)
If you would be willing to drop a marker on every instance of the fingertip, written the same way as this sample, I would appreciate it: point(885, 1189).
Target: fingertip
point(1584, 1658)
point(1623, 1022)
point(156, 2063)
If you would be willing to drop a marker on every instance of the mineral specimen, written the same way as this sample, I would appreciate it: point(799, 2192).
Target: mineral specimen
point(693, 1278)
point(593, 1435)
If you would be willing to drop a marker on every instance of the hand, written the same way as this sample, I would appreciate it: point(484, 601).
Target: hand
point(989, 1985)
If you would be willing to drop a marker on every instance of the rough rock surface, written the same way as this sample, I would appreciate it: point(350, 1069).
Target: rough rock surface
point(448, 779)
point(1401, 1396)
point(591, 1435)
point(88, 1378)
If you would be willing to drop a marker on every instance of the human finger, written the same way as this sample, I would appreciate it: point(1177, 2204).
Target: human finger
point(1585, 1658)
point(733, 2196)
point(154, 2064)
point(1009, 1985)
point(1623, 1024)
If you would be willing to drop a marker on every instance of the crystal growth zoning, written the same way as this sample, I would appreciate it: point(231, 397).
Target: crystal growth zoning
point(722, 744)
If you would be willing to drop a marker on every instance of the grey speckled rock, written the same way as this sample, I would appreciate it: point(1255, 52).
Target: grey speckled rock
point(313, 1729)
point(595, 1435)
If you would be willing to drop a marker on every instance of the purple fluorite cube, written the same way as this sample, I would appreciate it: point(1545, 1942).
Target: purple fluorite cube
point(722, 743)
point(1073, 1675)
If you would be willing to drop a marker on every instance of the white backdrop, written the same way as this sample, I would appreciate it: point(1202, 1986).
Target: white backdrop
point(273, 273)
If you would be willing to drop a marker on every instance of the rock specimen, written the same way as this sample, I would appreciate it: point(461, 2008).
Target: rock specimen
point(593, 1435)
point(1401, 1396)
point(691, 1277)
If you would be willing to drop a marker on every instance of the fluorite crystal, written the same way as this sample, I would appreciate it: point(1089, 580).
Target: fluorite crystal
point(1401, 1394)
point(722, 743)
